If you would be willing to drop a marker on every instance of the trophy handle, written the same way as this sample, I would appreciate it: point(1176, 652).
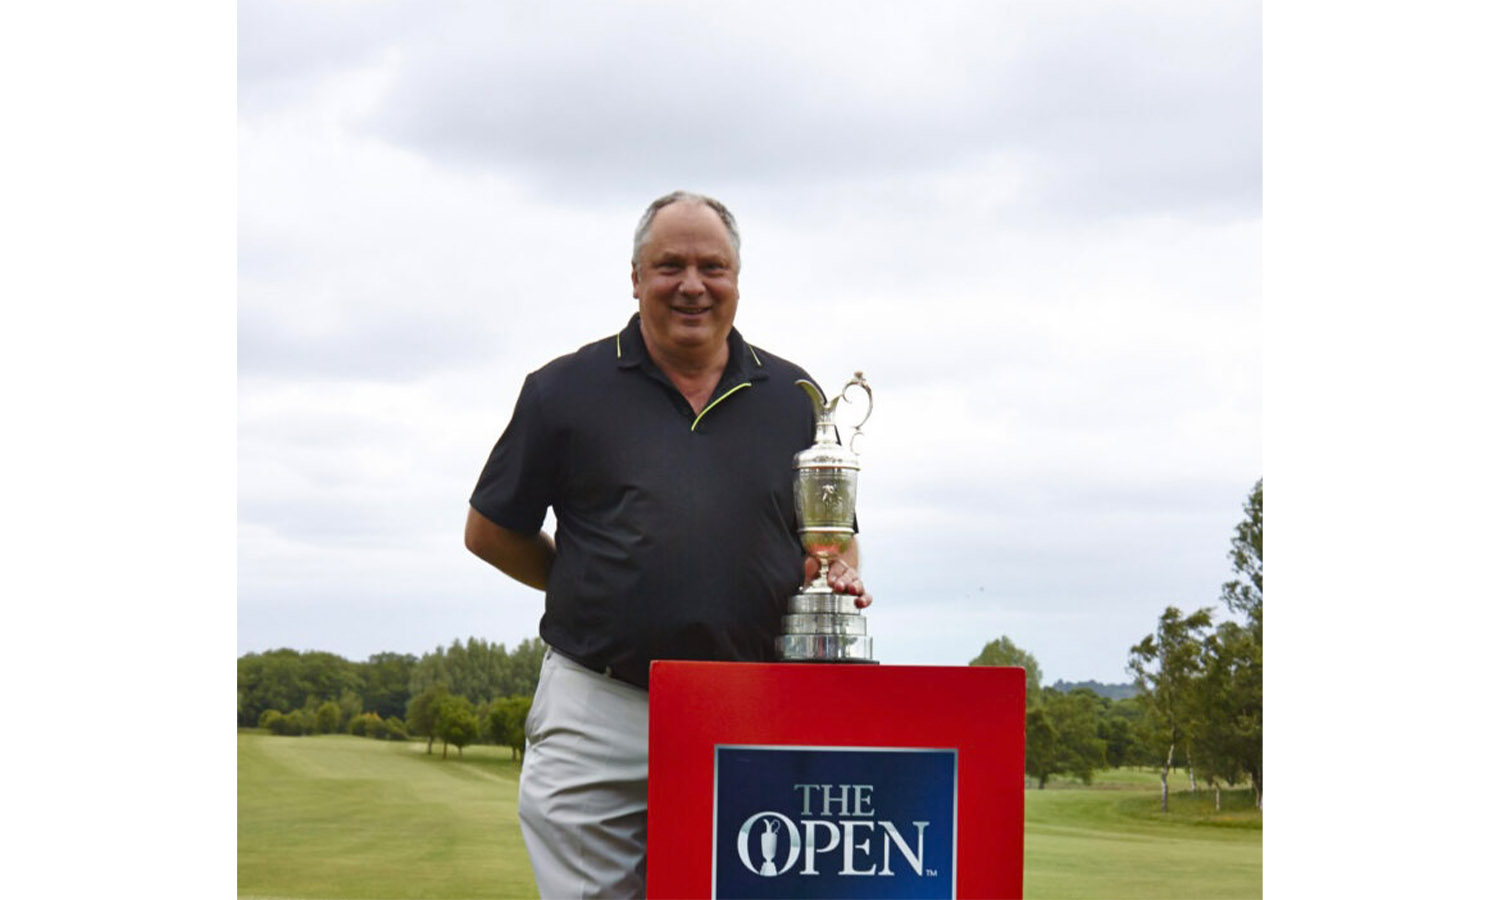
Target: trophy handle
point(859, 381)
point(820, 402)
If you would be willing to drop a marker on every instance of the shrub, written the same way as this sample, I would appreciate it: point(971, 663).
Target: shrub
point(293, 724)
point(370, 725)
point(326, 719)
point(350, 706)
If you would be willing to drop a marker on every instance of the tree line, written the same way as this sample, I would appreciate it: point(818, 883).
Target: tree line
point(1198, 702)
point(1072, 730)
point(468, 692)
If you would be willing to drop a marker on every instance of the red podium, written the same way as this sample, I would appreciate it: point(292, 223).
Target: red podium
point(835, 780)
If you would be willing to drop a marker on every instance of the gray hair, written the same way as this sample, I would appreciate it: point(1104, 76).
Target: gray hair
point(643, 230)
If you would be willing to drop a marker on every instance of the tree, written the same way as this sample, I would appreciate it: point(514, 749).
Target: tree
point(474, 668)
point(326, 719)
point(1041, 746)
point(293, 724)
point(285, 680)
point(268, 681)
point(350, 706)
point(523, 669)
point(480, 670)
point(1077, 716)
point(387, 678)
point(1005, 653)
point(455, 723)
point(1243, 594)
point(430, 671)
point(421, 713)
point(1226, 730)
point(1062, 736)
point(370, 725)
point(1120, 724)
point(1234, 657)
point(506, 723)
point(1061, 728)
point(1114, 731)
point(1166, 665)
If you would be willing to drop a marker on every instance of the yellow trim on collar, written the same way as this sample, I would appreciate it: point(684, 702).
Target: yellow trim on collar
point(716, 403)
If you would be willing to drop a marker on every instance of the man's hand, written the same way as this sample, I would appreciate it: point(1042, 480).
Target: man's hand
point(842, 577)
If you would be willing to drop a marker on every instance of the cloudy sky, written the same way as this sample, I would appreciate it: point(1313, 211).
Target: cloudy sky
point(1036, 227)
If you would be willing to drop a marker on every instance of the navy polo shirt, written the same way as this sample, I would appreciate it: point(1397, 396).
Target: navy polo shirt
point(676, 533)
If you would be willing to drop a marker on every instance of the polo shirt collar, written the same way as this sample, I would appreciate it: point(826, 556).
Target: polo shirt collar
point(744, 362)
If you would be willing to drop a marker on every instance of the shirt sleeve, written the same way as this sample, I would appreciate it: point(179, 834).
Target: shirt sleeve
point(515, 487)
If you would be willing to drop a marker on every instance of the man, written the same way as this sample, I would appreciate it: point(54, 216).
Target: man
point(666, 453)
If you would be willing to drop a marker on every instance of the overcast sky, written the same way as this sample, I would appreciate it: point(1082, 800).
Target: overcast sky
point(1036, 227)
point(1060, 206)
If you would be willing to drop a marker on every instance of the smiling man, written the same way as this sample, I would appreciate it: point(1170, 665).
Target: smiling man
point(665, 451)
point(687, 281)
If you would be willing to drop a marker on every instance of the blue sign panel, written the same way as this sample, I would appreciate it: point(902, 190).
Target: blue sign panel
point(834, 822)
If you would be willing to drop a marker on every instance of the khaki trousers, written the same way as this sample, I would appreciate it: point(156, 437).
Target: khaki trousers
point(583, 783)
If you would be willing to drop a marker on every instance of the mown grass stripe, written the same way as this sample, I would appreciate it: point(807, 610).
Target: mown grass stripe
point(339, 816)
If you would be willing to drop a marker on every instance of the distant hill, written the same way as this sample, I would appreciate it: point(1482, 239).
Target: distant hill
point(1111, 691)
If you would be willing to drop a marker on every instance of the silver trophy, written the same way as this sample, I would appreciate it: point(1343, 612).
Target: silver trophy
point(768, 846)
point(821, 625)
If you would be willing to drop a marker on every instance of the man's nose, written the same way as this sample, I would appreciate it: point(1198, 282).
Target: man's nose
point(692, 284)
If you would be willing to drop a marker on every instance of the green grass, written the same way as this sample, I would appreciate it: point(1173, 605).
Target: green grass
point(337, 816)
point(1112, 840)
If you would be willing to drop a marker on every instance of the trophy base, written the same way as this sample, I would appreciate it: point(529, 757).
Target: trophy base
point(811, 623)
point(825, 648)
point(824, 602)
point(821, 626)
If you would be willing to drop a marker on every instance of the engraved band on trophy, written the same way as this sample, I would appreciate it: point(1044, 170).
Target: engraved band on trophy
point(821, 625)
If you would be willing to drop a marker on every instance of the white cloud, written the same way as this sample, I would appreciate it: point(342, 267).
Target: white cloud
point(1108, 107)
point(1034, 226)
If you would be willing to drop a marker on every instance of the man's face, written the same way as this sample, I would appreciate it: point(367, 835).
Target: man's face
point(687, 281)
